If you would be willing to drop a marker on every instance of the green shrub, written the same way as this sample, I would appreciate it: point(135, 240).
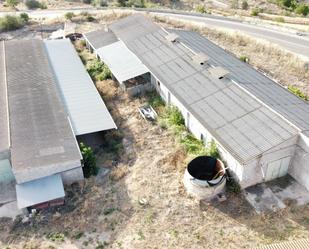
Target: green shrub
point(255, 12)
point(113, 142)
point(232, 186)
point(11, 3)
point(56, 236)
point(24, 17)
point(90, 18)
point(89, 161)
point(244, 58)
point(69, 15)
point(287, 3)
point(193, 145)
point(105, 74)
point(136, 3)
point(302, 9)
point(155, 100)
point(244, 5)
point(32, 4)
point(43, 6)
point(173, 116)
point(121, 3)
point(298, 92)
point(9, 22)
point(212, 149)
point(94, 67)
point(98, 70)
point(201, 9)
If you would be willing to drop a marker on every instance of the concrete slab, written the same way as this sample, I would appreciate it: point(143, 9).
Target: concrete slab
point(263, 199)
point(7, 192)
point(286, 189)
point(10, 210)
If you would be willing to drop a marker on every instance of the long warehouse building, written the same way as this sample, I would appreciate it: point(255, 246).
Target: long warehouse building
point(261, 129)
point(47, 100)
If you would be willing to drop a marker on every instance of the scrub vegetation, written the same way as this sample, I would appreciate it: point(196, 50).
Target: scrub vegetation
point(298, 92)
point(171, 118)
point(10, 22)
point(90, 168)
point(96, 69)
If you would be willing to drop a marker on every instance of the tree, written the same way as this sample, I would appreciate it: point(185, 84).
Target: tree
point(24, 17)
point(32, 4)
point(121, 3)
point(302, 9)
point(244, 5)
point(12, 3)
point(69, 15)
point(287, 3)
point(201, 9)
point(90, 167)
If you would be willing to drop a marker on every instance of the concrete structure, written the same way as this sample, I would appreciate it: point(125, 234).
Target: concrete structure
point(47, 100)
point(261, 129)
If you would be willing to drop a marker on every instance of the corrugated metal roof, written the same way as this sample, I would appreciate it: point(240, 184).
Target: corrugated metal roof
point(42, 141)
point(121, 61)
point(4, 129)
point(86, 109)
point(298, 244)
point(272, 94)
point(100, 38)
point(39, 191)
point(241, 123)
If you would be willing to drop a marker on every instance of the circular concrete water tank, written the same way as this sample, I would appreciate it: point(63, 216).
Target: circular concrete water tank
point(205, 177)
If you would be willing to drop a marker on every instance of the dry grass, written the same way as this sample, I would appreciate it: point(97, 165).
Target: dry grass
point(284, 67)
point(107, 89)
point(119, 172)
point(142, 203)
point(146, 206)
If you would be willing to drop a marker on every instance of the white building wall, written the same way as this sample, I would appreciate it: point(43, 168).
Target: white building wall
point(74, 175)
point(299, 168)
point(197, 129)
point(247, 175)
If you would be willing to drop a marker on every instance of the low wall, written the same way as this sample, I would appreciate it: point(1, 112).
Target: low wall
point(299, 168)
point(139, 89)
point(73, 175)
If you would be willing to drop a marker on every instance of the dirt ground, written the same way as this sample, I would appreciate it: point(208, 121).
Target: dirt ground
point(138, 201)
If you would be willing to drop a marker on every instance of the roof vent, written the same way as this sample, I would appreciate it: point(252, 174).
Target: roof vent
point(200, 58)
point(172, 37)
point(218, 72)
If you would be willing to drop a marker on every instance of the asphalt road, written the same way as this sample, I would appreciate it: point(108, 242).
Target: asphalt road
point(287, 40)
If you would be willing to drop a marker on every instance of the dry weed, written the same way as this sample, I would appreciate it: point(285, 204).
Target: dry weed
point(119, 172)
point(107, 88)
point(174, 161)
